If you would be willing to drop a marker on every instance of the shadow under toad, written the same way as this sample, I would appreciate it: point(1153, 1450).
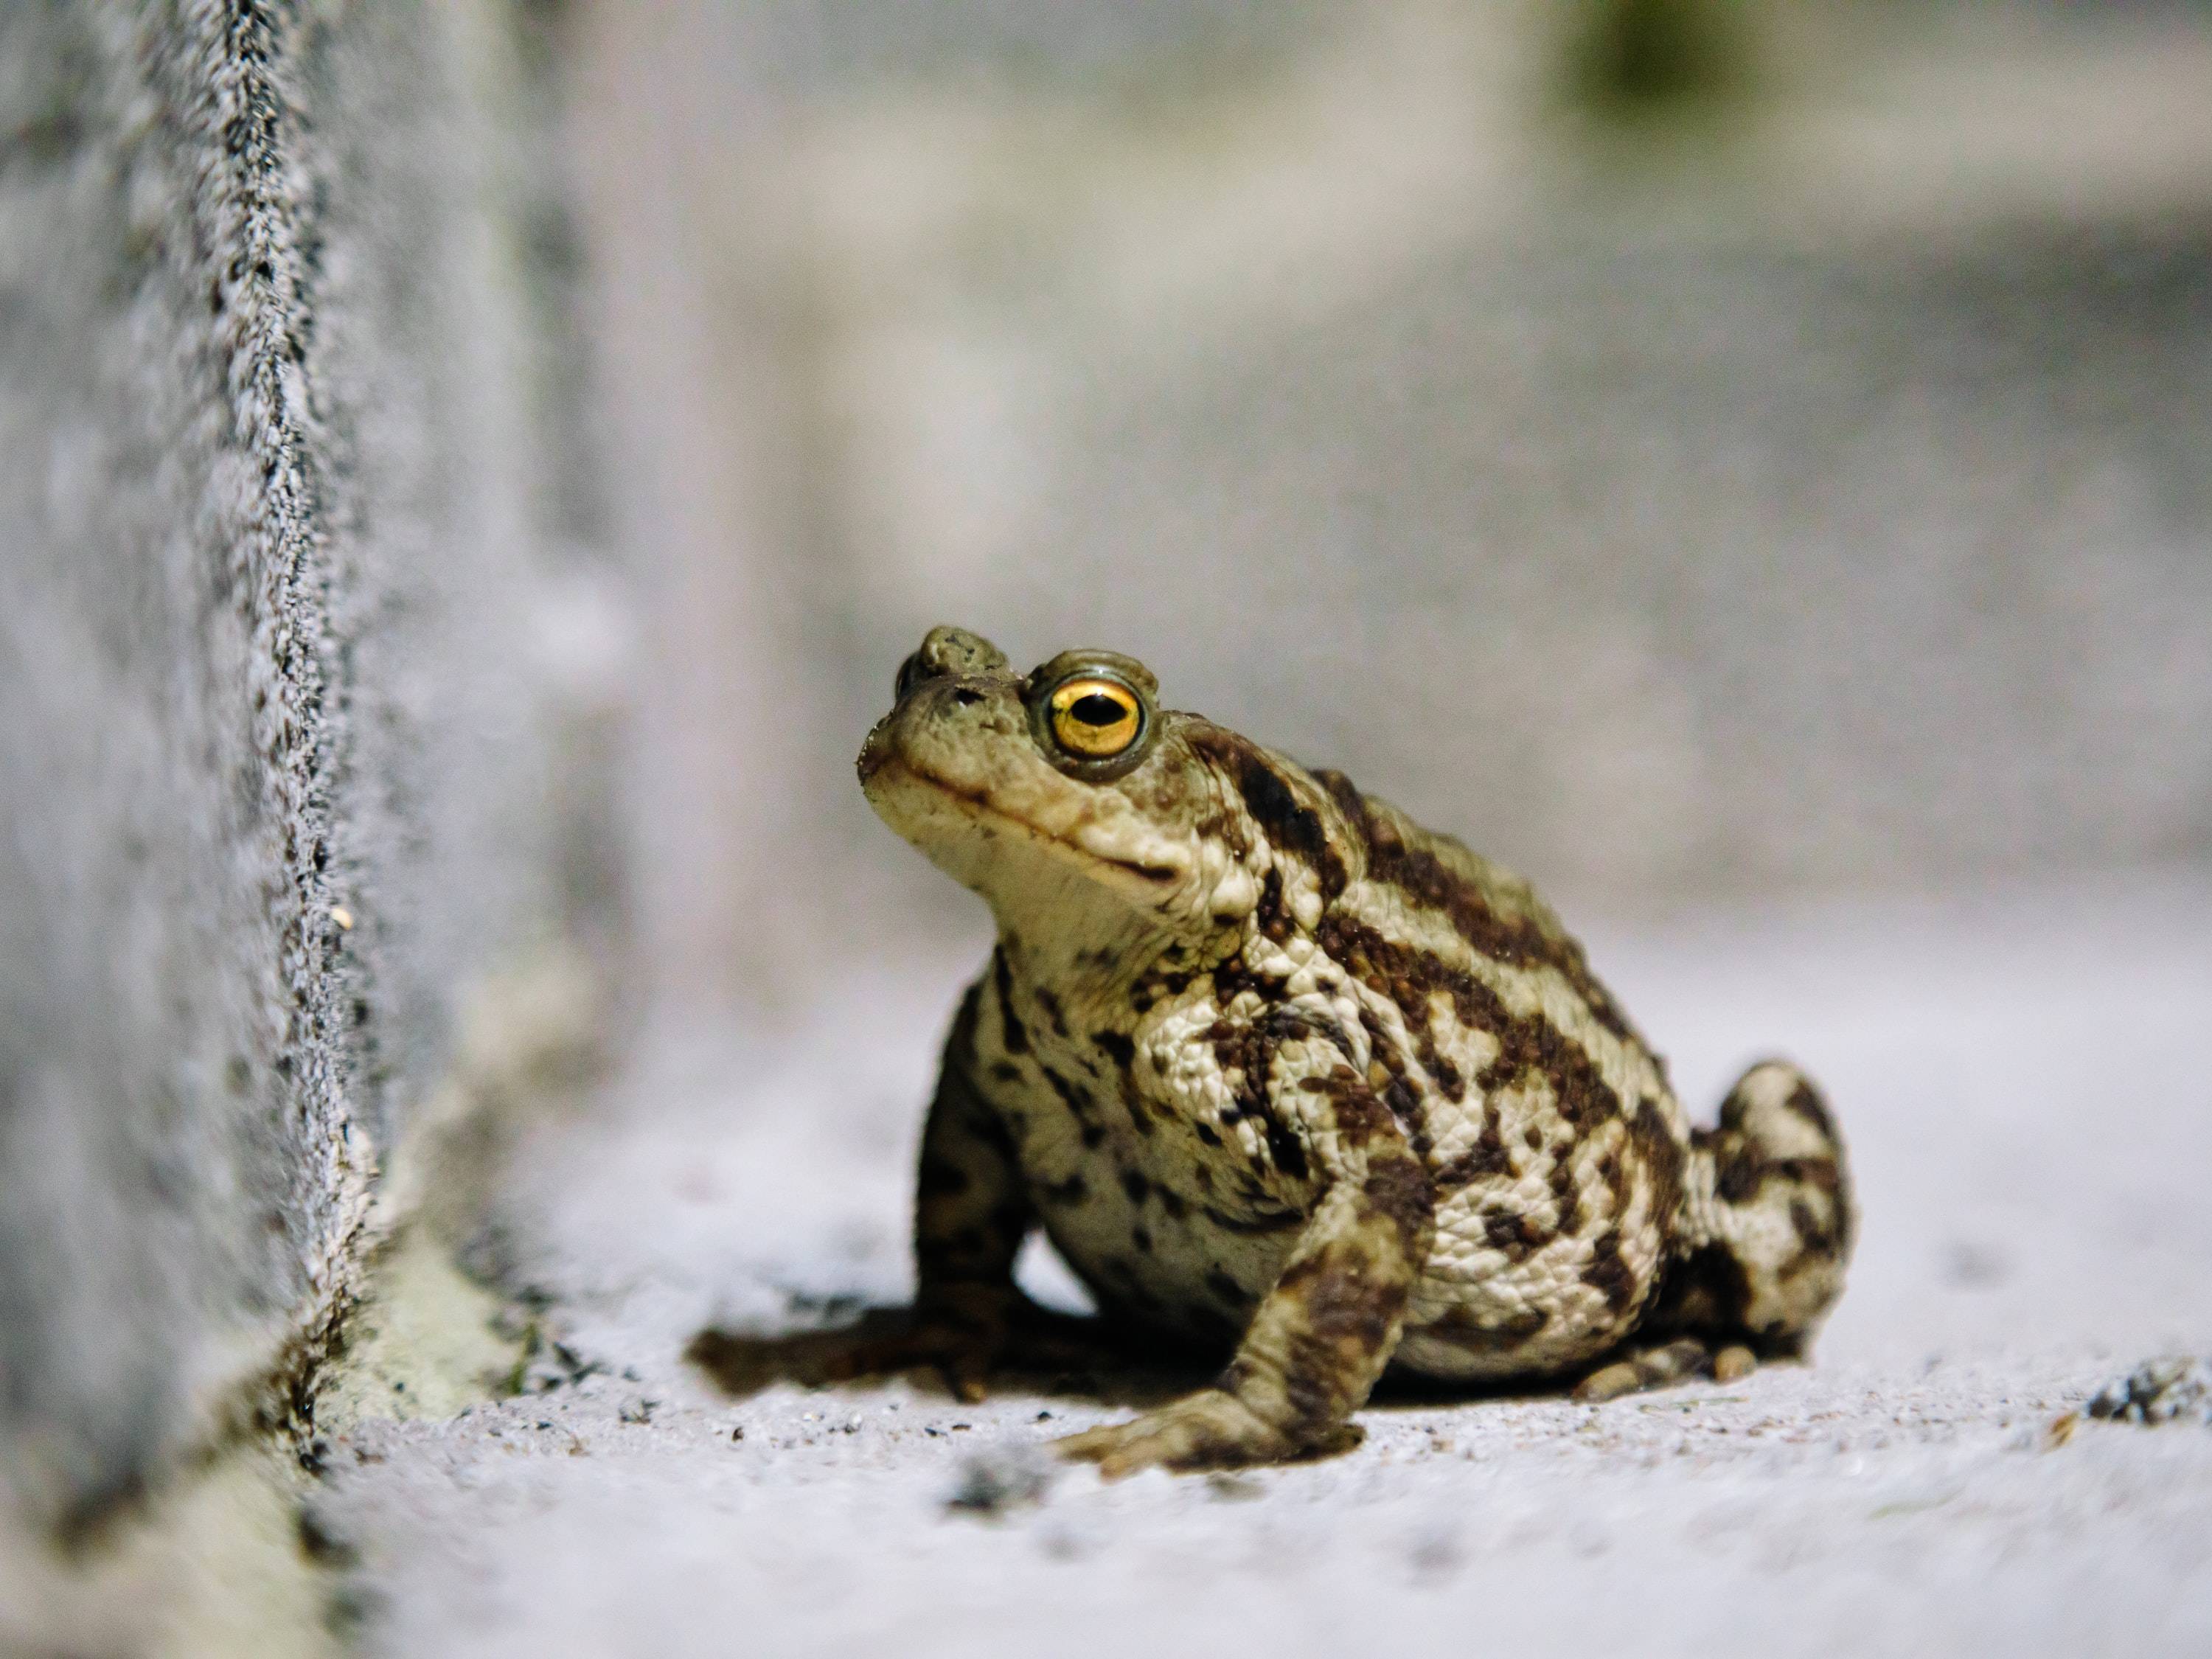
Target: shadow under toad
point(1063, 1356)
point(1066, 1357)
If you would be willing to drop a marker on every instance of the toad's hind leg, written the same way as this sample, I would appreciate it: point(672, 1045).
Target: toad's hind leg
point(1766, 1223)
point(1760, 1244)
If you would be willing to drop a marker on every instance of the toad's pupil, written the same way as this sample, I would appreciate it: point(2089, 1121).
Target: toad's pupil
point(1098, 709)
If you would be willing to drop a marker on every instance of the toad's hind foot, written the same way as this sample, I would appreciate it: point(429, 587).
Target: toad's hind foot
point(1669, 1362)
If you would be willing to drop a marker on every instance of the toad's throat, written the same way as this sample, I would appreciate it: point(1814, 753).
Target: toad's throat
point(979, 804)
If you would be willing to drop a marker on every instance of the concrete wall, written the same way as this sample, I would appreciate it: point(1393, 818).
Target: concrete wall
point(304, 661)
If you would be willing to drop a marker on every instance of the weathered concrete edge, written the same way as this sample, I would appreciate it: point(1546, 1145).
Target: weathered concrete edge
point(257, 214)
point(257, 200)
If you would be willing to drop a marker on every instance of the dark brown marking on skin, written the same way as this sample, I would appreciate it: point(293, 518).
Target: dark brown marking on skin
point(1534, 1044)
point(1231, 979)
point(1012, 1038)
point(1116, 1046)
point(1608, 1272)
point(1261, 1221)
point(1247, 1049)
point(1173, 1202)
point(1287, 822)
point(960, 1040)
point(1405, 1106)
point(1065, 1194)
point(1283, 1147)
point(941, 1178)
point(1820, 1172)
point(1705, 1292)
point(1613, 1177)
point(1396, 1088)
point(1663, 1156)
point(1351, 804)
point(989, 1128)
point(1740, 1168)
point(1141, 1237)
point(1174, 982)
point(1811, 1232)
point(1207, 1135)
point(1268, 914)
point(1094, 1136)
point(1566, 1193)
point(1805, 1101)
point(1486, 1158)
point(1744, 1173)
point(1005, 1070)
point(1224, 1289)
point(1399, 1190)
point(1526, 1043)
point(1518, 1236)
point(1358, 1113)
point(1072, 1095)
point(1135, 1185)
point(1460, 1328)
point(1520, 941)
point(1054, 1013)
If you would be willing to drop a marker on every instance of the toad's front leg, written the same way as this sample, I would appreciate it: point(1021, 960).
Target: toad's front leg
point(971, 1213)
point(1322, 1335)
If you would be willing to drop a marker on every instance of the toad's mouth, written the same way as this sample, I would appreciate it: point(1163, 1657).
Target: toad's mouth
point(978, 804)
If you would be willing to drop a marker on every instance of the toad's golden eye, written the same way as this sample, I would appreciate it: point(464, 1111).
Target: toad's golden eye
point(1095, 719)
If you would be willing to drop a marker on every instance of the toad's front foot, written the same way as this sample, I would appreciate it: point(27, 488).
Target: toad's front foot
point(1211, 1428)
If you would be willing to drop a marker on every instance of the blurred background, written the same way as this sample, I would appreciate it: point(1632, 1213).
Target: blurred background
point(1690, 449)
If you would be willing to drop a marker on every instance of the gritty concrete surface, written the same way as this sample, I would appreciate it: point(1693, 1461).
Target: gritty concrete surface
point(2021, 1081)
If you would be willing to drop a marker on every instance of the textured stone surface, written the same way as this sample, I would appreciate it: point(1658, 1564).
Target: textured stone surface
point(297, 662)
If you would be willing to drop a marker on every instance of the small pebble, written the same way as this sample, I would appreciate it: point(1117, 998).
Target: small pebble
point(1006, 1478)
point(2175, 1389)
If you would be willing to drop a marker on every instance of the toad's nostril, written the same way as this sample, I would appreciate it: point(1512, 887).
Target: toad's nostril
point(966, 698)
